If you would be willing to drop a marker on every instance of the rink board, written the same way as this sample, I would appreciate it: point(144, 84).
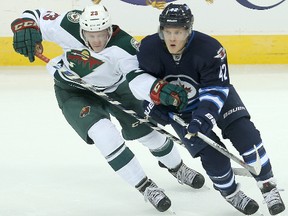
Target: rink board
point(243, 49)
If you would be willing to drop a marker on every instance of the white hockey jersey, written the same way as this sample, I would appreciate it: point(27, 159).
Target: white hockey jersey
point(106, 69)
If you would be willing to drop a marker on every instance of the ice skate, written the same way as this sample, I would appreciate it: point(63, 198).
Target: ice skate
point(271, 196)
point(242, 202)
point(154, 195)
point(186, 175)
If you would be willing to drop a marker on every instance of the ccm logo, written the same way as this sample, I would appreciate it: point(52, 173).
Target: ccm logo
point(26, 24)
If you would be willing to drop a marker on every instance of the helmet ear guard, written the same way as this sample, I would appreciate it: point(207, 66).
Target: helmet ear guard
point(176, 15)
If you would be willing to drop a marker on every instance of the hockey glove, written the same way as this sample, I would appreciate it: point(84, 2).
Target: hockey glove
point(202, 121)
point(26, 35)
point(168, 94)
point(159, 113)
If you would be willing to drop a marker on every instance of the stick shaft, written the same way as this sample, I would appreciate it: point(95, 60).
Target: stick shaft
point(76, 79)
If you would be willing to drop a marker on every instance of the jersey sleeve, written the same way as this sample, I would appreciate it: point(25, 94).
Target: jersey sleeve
point(123, 40)
point(128, 64)
point(141, 81)
point(54, 70)
point(149, 56)
point(125, 62)
point(214, 78)
point(60, 29)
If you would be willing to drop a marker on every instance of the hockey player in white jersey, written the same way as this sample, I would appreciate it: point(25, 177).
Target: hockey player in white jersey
point(101, 54)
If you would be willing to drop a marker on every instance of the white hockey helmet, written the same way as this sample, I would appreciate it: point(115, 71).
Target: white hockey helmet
point(95, 18)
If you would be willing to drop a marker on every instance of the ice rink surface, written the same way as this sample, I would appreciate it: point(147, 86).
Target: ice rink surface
point(47, 170)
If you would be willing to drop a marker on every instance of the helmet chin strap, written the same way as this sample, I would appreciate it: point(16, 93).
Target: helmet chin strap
point(110, 32)
point(182, 49)
point(188, 41)
point(160, 33)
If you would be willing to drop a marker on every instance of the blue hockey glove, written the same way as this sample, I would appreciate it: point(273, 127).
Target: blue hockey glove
point(26, 36)
point(158, 113)
point(202, 121)
point(168, 94)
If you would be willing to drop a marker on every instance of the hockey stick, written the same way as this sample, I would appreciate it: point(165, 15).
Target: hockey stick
point(254, 168)
point(74, 78)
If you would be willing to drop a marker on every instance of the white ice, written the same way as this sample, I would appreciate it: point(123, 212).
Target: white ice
point(47, 170)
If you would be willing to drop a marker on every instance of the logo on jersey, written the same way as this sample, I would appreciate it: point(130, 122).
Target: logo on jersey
point(81, 61)
point(50, 15)
point(135, 44)
point(73, 16)
point(84, 111)
point(251, 5)
point(94, 13)
point(185, 82)
point(231, 111)
point(221, 53)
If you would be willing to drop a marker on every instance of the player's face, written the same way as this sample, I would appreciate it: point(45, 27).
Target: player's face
point(97, 39)
point(175, 38)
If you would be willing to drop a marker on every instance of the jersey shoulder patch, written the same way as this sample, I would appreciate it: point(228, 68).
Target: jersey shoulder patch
point(73, 16)
point(123, 40)
point(70, 23)
point(135, 43)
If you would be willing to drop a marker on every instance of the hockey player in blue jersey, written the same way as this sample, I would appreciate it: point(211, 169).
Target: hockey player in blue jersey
point(179, 56)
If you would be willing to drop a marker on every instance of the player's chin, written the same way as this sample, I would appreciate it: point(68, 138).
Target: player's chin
point(97, 48)
point(173, 50)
